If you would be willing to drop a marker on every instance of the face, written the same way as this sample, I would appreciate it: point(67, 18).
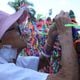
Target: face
point(13, 37)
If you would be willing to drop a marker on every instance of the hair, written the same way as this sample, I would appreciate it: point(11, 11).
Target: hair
point(53, 20)
point(48, 19)
point(40, 19)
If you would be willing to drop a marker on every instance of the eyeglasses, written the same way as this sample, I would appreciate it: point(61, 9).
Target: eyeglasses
point(14, 28)
point(23, 32)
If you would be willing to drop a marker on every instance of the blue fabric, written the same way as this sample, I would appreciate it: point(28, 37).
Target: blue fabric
point(74, 33)
point(10, 71)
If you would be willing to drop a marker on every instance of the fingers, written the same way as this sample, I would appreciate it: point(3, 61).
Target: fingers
point(59, 15)
point(61, 19)
point(66, 14)
point(62, 14)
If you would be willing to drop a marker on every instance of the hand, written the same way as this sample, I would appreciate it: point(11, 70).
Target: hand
point(61, 19)
point(68, 59)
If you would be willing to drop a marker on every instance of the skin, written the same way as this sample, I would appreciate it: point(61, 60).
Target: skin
point(69, 61)
point(77, 47)
point(13, 38)
point(69, 58)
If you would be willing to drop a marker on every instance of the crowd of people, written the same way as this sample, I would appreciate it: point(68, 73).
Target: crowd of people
point(38, 49)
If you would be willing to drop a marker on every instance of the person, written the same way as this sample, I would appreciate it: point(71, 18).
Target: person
point(77, 47)
point(52, 64)
point(69, 55)
point(48, 21)
point(13, 38)
point(10, 36)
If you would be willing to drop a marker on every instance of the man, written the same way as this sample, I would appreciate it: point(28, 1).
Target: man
point(10, 36)
point(12, 39)
point(69, 56)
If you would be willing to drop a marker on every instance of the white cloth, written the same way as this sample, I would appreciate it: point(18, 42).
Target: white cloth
point(10, 71)
point(8, 53)
point(30, 62)
point(2, 61)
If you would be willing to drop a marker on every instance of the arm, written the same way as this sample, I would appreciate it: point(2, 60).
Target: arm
point(69, 56)
point(69, 69)
point(69, 61)
point(52, 35)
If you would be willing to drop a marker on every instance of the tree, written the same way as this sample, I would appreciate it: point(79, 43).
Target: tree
point(71, 14)
point(19, 3)
point(40, 16)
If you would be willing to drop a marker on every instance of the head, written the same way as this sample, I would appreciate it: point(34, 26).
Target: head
point(72, 16)
point(48, 21)
point(10, 33)
point(40, 23)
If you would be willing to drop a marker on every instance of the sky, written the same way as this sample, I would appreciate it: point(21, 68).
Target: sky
point(43, 6)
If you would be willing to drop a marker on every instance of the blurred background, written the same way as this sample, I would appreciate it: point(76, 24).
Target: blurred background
point(47, 7)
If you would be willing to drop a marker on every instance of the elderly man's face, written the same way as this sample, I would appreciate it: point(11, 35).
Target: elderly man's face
point(12, 37)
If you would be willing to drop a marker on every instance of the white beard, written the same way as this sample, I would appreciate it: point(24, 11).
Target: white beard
point(8, 53)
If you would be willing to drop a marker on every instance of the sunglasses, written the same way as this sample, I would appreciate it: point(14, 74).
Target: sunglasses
point(14, 28)
point(23, 31)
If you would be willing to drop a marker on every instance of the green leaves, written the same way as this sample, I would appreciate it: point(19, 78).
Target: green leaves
point(17, 3)
point(40, 16)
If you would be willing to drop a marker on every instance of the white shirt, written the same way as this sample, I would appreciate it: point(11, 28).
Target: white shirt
point(10, 71)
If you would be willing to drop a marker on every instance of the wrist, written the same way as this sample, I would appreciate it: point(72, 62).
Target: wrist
point(63, 38)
